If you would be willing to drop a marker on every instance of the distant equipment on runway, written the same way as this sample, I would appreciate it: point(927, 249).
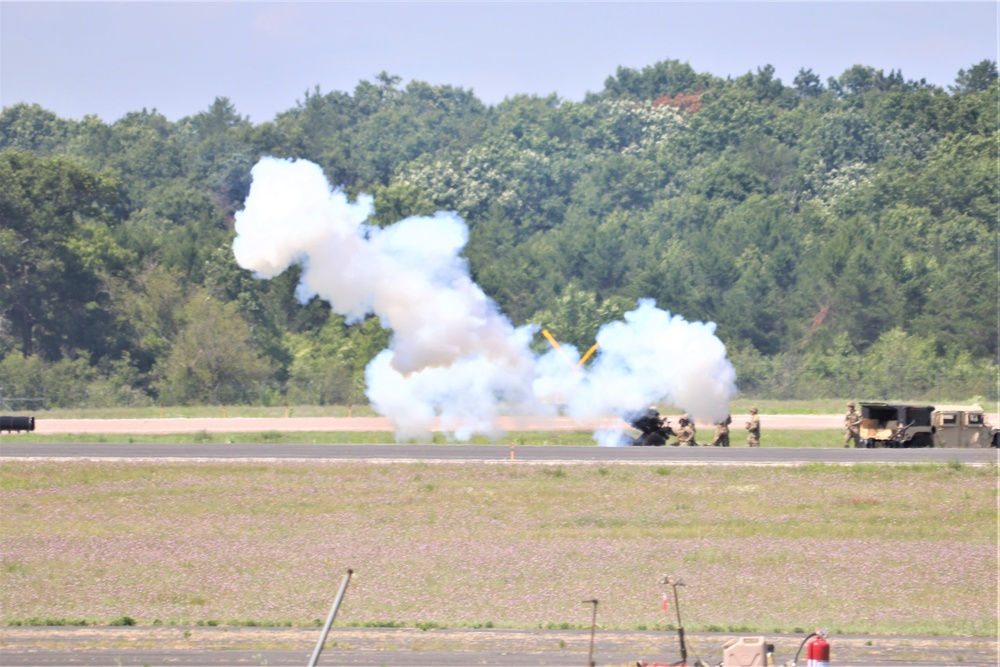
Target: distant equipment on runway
point(17, 424)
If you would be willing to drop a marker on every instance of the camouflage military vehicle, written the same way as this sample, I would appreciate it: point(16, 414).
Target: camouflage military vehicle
point(896, 425)
point(963, 426)
point(904, 425)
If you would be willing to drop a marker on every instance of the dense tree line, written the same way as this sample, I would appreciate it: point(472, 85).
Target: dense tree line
point(842, 234)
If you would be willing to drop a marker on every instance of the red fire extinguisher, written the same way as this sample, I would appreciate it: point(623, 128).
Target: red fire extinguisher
point(818, 652)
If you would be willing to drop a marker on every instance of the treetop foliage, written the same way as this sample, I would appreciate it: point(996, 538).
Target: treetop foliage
point(842, 234)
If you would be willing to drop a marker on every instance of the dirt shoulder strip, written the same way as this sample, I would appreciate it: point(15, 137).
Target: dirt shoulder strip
point(609, 645)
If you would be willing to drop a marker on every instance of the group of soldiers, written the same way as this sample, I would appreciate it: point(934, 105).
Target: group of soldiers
point(685, 434)
point(686, 431)
point(721, 438)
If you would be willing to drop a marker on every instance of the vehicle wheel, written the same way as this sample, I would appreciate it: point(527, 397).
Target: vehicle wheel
point(921, 440)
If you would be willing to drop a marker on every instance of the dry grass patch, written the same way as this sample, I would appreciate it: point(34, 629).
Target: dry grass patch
point(856, 549)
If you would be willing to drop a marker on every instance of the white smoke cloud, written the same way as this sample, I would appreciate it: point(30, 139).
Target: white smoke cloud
point(452, 354)
point(655, 357)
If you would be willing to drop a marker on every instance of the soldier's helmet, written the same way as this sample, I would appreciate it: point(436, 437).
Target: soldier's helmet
point(753, 410)
point(850, 404)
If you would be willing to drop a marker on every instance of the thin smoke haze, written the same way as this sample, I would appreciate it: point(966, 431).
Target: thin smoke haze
point(452, 354)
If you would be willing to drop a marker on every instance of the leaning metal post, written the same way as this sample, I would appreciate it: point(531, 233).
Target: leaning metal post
point(329, 619)
point(674, 583)
point(593, 628)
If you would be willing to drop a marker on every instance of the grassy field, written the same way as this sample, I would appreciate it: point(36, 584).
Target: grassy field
point(858, 549)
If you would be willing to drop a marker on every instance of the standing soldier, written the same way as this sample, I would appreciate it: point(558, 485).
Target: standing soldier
point(685, 432)
point(721, 438)
point(852, 426)
point(753, 429)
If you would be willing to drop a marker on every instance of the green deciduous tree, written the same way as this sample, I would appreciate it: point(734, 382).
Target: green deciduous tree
point(55, 252)
point(808, 84)
point(667, 77)
point(976, 79)
point(29, 127)
point(817, 226)
point(399, 201)
point(212, 359)
point(321, 372)
point(577, 316)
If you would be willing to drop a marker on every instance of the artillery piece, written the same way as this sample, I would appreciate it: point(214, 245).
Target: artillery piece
point(654, 430)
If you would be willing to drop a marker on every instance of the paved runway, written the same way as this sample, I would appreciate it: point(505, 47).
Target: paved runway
point(498, 453)
point(450, 452)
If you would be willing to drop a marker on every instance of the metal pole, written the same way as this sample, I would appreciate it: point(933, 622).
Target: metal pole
point(329, 619)
point(593, 629)
point(677, 605)
point(680, 627)
point(674, 583)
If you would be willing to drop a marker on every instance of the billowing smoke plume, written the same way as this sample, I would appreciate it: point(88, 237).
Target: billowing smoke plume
point(652, 357)
point(452, 354)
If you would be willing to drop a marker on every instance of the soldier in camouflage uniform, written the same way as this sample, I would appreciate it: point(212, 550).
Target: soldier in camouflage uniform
point(721, 438)
point(753, 429)
point(852, 426)
point(694, 429)
point(685, 432)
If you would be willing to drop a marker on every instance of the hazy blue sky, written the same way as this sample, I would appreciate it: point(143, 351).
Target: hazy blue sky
point(78, 58)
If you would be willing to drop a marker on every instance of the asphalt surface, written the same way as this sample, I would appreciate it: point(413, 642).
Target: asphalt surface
point(499, 453)
point(453, 452)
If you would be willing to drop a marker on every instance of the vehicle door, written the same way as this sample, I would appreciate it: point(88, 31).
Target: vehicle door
point(948, 429)
point(974, 432)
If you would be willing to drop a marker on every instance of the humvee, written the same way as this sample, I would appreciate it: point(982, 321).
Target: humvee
point(963, 426)
point(903, 425)
point(896, 425)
